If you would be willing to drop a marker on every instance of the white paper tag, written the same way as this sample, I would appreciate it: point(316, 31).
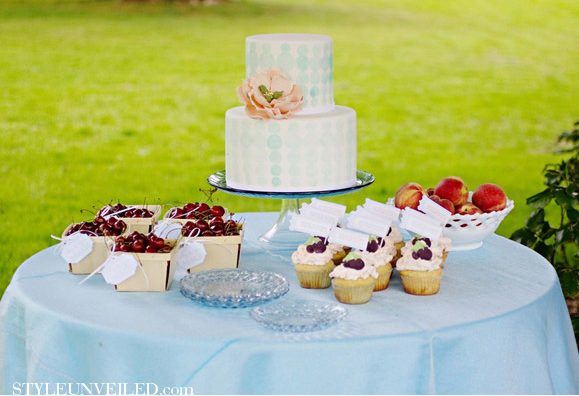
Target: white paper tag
point(76, 247)
point(330, 207)
point(167, 229)
point(190, 254)
point(308, 225)
point(434, 210)
point(353, 239)
point(119, 267)
point(319, 214)
point(421, 224)
point(361, 222)
point(388, 212)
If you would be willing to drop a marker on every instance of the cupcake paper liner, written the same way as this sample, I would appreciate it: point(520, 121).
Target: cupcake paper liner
point(421, 283)
point(357, 291)
point(314, 276)
point(384, 274)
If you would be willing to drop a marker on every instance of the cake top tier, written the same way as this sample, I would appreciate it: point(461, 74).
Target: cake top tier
point(306, 59)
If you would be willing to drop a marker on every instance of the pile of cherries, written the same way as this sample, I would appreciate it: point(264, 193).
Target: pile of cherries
point(205, 220)
point(125, 211)
point(420, 248)
point(99, 227)
point(356, 264)
point(136, 242)
point(316, 247)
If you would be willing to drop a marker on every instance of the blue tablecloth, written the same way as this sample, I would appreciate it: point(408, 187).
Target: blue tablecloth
point(498, 325)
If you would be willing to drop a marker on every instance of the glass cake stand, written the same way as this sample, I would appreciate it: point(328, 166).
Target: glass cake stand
point(279, 235)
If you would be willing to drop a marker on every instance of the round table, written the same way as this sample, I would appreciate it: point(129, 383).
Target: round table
point(498, 325)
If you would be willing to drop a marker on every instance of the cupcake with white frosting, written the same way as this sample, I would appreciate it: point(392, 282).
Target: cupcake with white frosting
point(313, 264)
point(394, 238)
point(338, 252)
point(380, 255)
point(420, 266)
point(353, 280)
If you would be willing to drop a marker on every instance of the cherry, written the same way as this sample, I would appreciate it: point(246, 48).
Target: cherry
point(207, 233)
point(217, 211)
point(356, 264)
point(151, 249)
point(138, 246)
point(190, 207)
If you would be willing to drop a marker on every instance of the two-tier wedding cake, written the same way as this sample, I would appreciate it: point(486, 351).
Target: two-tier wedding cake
point(289, 136)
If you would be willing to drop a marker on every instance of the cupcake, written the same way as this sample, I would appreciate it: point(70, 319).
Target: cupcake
point(420, 266)
point(380, 255)
point(338, 252)
point(353, 280)
point(394, 237)
point(313, 264)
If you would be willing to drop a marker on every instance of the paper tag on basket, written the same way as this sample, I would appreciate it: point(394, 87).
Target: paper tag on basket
point(190, 254)
point(117, 268)
point(76, 247)
point(353, 239)
point(421, 224)
point(319, 214)
point(329, 207)
point(387, 212)
point(308, 225)
point(361, 221)
point(167, 229)
point(434, 210)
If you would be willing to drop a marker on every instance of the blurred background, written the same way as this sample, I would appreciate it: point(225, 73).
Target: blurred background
point(124, 100)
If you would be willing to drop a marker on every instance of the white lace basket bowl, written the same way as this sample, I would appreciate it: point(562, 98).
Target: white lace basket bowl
point(467, 232)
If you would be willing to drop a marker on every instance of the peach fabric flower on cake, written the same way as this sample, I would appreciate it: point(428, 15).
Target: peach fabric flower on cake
point(270, 94)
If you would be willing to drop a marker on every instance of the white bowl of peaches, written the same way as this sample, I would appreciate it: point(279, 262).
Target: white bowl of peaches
point(475, 214)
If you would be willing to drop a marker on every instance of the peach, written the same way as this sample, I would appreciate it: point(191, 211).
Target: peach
point(468, 209)
point(489, 197)
point(409, 195)
point(445, 203)
point(453, 189)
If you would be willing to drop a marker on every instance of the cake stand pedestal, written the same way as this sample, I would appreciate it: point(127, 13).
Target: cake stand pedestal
point(279, 235)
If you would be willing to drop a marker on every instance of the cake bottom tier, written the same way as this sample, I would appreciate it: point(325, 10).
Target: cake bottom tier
point(314, 152)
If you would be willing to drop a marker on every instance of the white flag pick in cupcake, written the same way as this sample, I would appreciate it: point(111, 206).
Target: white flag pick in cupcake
point(421, 224)
point(309, 225)
point(383, 211)
point(364, 221)
point(351, 238)
point(329, 207)
point(434, 210)
point(317, 218)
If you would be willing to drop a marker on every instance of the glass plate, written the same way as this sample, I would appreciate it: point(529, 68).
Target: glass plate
point(217, 180)
point(233, 288)
point(299, 316)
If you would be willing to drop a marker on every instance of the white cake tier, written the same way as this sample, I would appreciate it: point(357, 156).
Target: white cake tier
point(314, 152)
point(306, 58)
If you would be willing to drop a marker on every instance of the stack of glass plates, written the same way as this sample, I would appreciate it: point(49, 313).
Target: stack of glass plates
point(299, 316)
point(233, 288)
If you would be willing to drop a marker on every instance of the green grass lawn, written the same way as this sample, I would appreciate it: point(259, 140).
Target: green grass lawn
point(107, 100)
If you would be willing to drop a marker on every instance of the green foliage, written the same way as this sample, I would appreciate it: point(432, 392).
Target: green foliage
point(559, 243)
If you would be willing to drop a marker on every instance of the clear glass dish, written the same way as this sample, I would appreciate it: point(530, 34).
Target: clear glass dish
point(299, 316)
point(233, 288)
